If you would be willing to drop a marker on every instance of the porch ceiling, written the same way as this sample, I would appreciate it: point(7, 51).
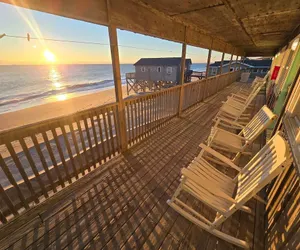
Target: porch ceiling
point(253, 28)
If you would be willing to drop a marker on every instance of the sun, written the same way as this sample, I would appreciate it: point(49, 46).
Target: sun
point(49, 56)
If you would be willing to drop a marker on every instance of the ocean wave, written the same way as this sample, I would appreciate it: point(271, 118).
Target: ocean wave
point(71, 88)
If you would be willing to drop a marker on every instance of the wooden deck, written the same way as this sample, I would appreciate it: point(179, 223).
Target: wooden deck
point(122, 205)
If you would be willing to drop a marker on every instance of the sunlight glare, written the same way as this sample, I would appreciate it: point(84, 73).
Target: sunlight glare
point(57, 85)
point(61, 97)
point(49, 56)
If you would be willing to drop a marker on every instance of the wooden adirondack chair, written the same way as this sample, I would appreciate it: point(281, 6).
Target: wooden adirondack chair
point(244, 92)
point(242, 97)
point(230, 110)
point(237, 143)
point(225, 195)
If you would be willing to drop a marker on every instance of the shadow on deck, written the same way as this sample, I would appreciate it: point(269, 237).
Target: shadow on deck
point(123, 204)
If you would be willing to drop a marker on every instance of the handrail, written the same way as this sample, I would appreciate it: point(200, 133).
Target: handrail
point(38, 159)
point(58, 118)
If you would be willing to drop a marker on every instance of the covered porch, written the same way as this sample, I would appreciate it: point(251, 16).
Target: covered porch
point(100, 178)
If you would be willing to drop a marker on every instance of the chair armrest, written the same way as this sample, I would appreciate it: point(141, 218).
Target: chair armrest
point(220, 119)
point(202, 183)
point(236, 101)
point(232, 105)
point(232, 134)
point(239, 96)
point(220, 157)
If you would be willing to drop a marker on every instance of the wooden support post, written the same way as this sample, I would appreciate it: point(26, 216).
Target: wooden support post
point(243, 61)
point(182, 71)
point(118, 85)
point(222, 60)
point(236, 61)
point(206, 75)
point(208, 63)
point(230, 61)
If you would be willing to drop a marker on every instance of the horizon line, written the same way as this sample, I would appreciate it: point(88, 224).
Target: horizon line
point(13, 64)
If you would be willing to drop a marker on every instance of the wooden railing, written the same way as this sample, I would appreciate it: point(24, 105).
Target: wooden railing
point(47, 156)
point(197, 91)
point(40, 159)
point(146, 113)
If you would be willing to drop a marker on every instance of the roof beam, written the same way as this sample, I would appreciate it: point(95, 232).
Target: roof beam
point(129, 15)
point(198, 9)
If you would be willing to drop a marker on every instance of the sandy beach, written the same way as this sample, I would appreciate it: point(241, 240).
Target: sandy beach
point(58, 108)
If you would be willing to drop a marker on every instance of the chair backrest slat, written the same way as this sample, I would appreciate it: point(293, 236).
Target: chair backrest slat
point(254, 92)
point(228, 109)
point(263, 167)
point(263, 118)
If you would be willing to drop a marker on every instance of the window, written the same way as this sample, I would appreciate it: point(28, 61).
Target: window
point(158, 69)
point(169, 70)
point(143, 69)
point(213, 71)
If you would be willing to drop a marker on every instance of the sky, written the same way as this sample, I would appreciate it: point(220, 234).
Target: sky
point(19, 21)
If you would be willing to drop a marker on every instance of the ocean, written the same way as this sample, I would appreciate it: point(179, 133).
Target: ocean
point(23, 86)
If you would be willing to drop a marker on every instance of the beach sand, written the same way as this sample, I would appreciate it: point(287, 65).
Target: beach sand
point(58, 108)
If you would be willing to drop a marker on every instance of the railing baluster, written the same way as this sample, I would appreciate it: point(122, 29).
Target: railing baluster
point(106, 134)
point(101, 136)
point(78, 123)
point(33, 166)
point(52, 157)
point(142, 117)
point(139, 119)
point(132, 121)
point(111, 132)
point(61, 155)
point(136, 121)
point(21, 171)
point(95, 137)
point(8, 202)
point(43, 161)
point(2, 218)
point(88, 135)
point(128, 123)
point(117, 129)
point(63, 129)
point(13, 182)
point(76, 147)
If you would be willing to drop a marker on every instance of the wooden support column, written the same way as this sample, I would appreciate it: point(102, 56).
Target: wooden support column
point(206, 74)
point(222, 60)
point(236, 61)
point(208, 63)
point(230, 62)
point(182, 71)
point(243, 61)
point(118, 85)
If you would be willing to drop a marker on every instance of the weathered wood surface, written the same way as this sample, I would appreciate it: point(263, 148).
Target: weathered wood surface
point(123, 204)
point(283, 211)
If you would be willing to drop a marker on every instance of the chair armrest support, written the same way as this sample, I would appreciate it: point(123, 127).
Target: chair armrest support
point(220, 157)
